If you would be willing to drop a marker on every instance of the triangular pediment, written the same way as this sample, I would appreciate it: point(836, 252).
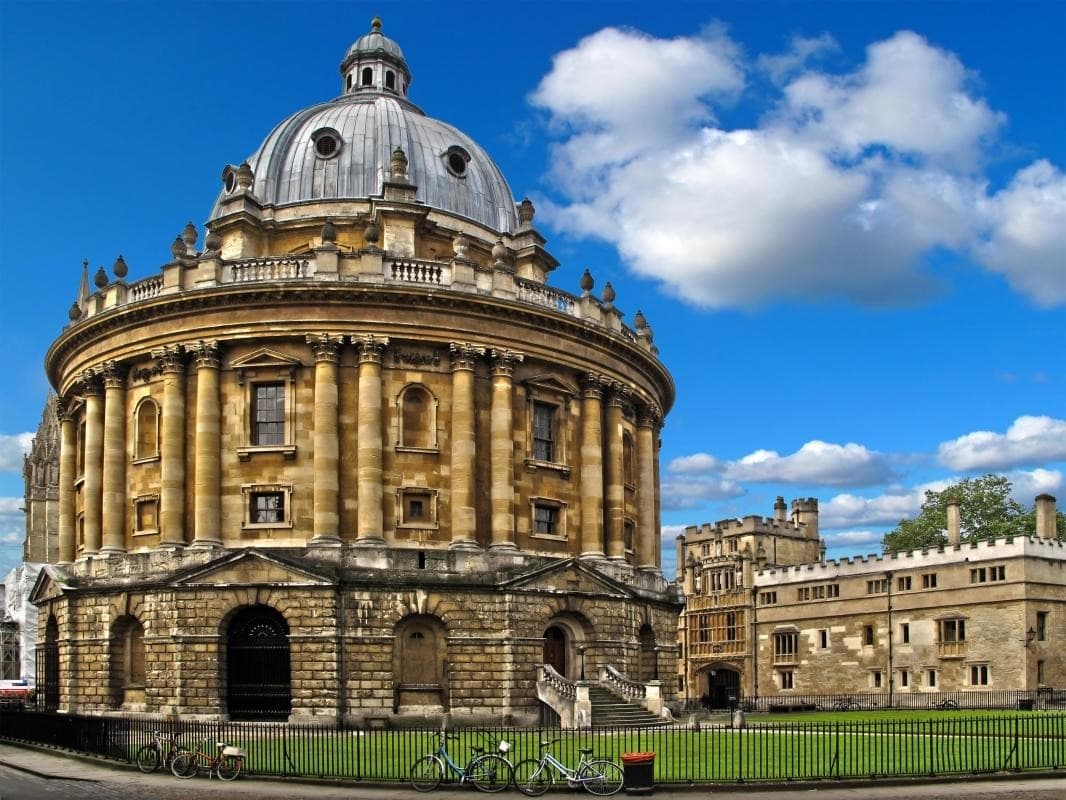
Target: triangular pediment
point(48, 586)
point(265, 357)
point(253, 568)
point(571, 577)
point(551, 383)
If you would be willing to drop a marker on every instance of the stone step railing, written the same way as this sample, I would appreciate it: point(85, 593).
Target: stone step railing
point(567, 698)
point(649, 695)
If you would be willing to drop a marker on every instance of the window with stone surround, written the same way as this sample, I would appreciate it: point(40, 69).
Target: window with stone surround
point(869, 638)
point(904, 679)
point(951, 637)
point(904, 633)
point(268, 414)
point(146, 431)
point(929, 580)
point(416, 508)
point(1041, 626)
point(267, 506)
point(786, 647)
point(548, 518)
point(146, 514)
point(876, 679)
point(786, 678)
point(767, 598)
point(903, 583)
point(269, 397)
point(417, 415)
point(931, 678)
point(547, 424)
point(877, 586)
point(823, 639)
point(629, 472)
point(629, 534)
point(980, 675)
point(987, 574)
point(544, 432)
point(127, 663)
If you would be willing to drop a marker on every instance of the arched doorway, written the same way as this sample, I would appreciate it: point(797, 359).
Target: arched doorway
point(723, 687)
point(258, 668)
point(50, 664)
point(418, 665)
point(555, 646)
point(648, 667)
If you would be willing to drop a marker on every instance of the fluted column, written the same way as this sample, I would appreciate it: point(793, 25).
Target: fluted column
point(92, 487)
point(172, 447)
point(368, 453)
point(592, 467)
point(207, 488)
point(68, 466)
point(464, 516)
point(113, 511)
point(501, 448)
point(647, 504)
point(326, 349)
point(616, 492)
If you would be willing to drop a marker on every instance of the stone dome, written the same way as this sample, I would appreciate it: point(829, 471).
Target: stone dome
point(341, 150)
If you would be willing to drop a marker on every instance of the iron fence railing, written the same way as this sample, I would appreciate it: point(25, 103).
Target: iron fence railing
point(764, 751)
point(1018, 700)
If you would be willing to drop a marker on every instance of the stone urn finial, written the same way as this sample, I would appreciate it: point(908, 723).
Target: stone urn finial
point(120, 269)
point(213, 242)
point(608, 293)
point(245, 176)
point(526, 212)
point(399, 164)
point(372, 232)
point(100, 278)
point(499, 252)
point(639, 321)
point(459, 245)
point(587, 281)
point(329, 232)
point(177, 248)
point(375, 25)
point(75, 312)
point(189, 236)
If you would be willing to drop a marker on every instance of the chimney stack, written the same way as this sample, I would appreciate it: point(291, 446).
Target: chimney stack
point(1046, 517)
point(780, 510)
point(954, 521)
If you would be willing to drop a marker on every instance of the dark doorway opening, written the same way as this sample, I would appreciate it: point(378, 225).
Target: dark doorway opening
point(723, 687)
point(555, 649)
point(50, 662)
point(258, 669)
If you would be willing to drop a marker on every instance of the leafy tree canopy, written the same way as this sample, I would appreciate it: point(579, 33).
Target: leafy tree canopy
point(986, 509)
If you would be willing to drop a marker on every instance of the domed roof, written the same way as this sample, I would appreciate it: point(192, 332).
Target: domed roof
point(341, 150)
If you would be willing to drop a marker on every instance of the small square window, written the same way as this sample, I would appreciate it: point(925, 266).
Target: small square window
point(929, 580)
point(545, 520)
point(903, 584)
point(417, 508)
point(979, 675)
point(788, 679)
point(267, 506)
point(146, 515)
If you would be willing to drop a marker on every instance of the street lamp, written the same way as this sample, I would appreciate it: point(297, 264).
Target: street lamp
point(581, 657)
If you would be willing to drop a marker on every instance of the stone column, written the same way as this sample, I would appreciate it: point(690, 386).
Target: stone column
point(326, 350)
point(464, 516)
point(616, 490)
point(591, 467)
point(647, 525)
point(368, 452)
point(501, 449)
point(207, 490)
point(172, 447)
point(92, 487)
point(113, 511)
point(68, 466)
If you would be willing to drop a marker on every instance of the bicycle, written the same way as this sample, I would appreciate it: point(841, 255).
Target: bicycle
point(226, 763)
point(489, 772)
point(845, 704)
point(150, 756)
point(535, 776)
point(947, 705)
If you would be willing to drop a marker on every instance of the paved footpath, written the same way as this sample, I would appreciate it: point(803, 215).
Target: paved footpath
point(40, 774)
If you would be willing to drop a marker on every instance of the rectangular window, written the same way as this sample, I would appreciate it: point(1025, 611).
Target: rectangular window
point(788, 679)
point(819, 592)
point(905, 632)
point(904, 584)
point(546, 519)
point(832, 590)
point(1041, 626)
point(868, 635)
point(997, 573)
point(930, 678)
point(544, 432)
point(1039, 672)
point(267, 508)
point(953, 630)
point(979, 675)
point(417, 508)
point(978, 575)
point(929, 580)
point(731, 626)
point(803, 593)
point(904, 678)
point(146, 515)
point(823, 639)
point(876, 678)
point(629, 533)
point(879, 586)
point(268, 414)
point(767, 598)
point(786, 646)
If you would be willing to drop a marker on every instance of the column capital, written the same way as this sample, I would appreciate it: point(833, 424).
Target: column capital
point(464, 355)
point(171, 358)
point(619, 395)
point(325, 346)
point(206, 353)
point(371, 348)
point(593, 385)
point(65, 408)
point(112, 374)
point(503, 361)
point(649, 415)
point(90, 384)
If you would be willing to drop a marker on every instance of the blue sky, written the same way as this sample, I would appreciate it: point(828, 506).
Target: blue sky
point(845, 222)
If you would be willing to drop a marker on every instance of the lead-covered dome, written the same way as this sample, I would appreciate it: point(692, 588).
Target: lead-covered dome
point(341, 150)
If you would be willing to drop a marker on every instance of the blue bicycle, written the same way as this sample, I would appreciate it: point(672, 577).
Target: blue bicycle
point(535, 776)
point(489, 772)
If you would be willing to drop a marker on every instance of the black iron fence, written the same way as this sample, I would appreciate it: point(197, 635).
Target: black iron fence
point(1035, 699)
point(941, 744)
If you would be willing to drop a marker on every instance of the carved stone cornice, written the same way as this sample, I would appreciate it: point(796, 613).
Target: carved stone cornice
point(325, 346)
point(112, 374)
point(503, 361)
point(371, 348)
point(593, 385)
point(206, 353)
point(464, 355)
point(171, 358)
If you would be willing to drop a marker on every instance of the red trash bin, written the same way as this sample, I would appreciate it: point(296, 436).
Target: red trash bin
point(638, 770)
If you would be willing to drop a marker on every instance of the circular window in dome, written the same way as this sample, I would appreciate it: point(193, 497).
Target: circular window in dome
point(456, 160)
point(327, 142)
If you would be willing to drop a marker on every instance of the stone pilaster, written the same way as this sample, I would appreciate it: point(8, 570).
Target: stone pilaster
point(501, 448)
point(92, 486)
point(616, 491)
point(113, 507)
point(207, 490)
point(592, 466)
point(326, 350)
point(464, 516)
point(172, 447)
point(368, 453)
point(648, 417)
point(68, 466)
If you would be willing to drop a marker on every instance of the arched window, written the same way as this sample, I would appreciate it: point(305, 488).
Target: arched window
point(418, 663)
point(146, 424)
point(127, 671)
point(418, 418)
point(390, 80)
point(648, 669)
point(368, 76)
point(258, 665)
point(348, 85)
point(628, 468)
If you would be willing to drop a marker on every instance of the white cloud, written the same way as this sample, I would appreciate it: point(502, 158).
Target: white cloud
point(12, 532)
point(1025, 486)
point(840, 192)
point(12, 450)
point(853, 538)
point(821, 463)
point(1029, 440)
point(802, 49)
point(693, 491)
point(696, 463)
point(849, 510)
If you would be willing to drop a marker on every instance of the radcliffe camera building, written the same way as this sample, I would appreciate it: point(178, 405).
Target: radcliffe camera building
point(351, 456)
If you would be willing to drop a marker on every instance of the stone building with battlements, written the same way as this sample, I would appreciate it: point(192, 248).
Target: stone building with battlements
point(352, 457)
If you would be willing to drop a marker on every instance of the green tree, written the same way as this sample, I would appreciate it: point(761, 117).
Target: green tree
point(986, 509)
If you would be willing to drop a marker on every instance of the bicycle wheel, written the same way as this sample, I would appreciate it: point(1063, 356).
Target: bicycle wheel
point(950, 705)
point(427, 773)
point(601, 777)
point(148, 758)
point(532, 778)
point(490, 772)
point(228, 767)
point(184, 765)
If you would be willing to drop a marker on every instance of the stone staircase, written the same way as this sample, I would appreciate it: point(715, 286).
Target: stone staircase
point(611, 711)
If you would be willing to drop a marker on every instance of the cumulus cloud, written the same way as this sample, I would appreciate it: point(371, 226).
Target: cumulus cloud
point(12, 532)
point(692, 491)
point(12, 450)
point(852, 538)
point(851, 511)
point(1026, 485)
point(696, 463)
point(840, 191)
point(802, 49)
point(1029, 440)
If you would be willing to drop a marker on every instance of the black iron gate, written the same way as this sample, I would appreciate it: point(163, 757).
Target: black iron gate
point(258, 671)
point(48, 666)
